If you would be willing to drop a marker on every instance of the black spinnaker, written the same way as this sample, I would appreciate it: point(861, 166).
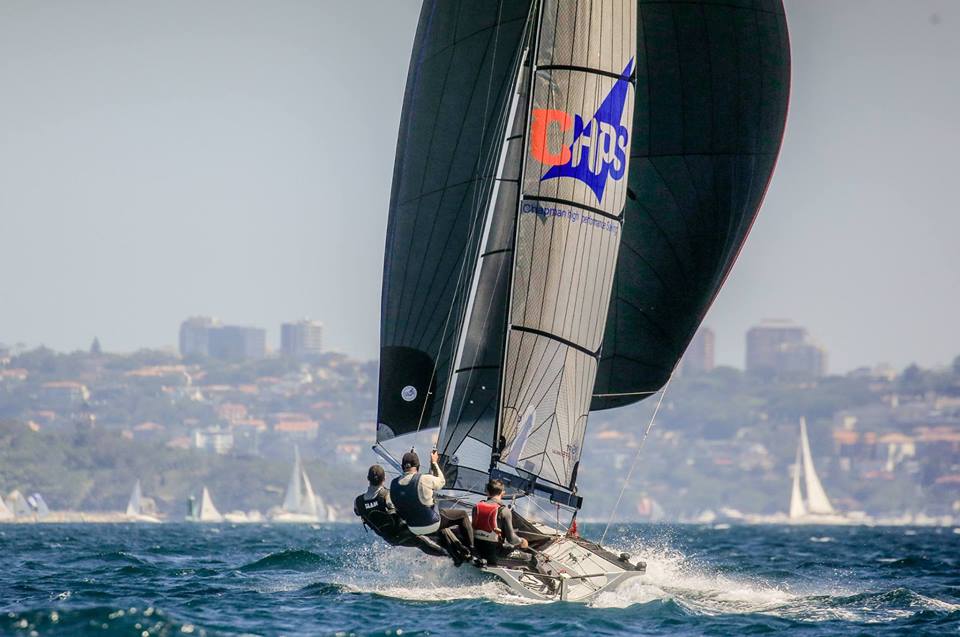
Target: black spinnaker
point(573, 183)
point(713, 80)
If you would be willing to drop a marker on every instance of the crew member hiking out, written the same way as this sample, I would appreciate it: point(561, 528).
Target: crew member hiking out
point(413, 496)
point(493, 526)
point(377, 512)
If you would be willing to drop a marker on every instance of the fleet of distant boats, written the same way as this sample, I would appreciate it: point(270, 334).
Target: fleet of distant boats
point(809, 504)
point(300, 504)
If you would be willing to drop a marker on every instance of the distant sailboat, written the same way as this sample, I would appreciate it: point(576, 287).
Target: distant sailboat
point(19, 505)
point(300, 502)
point(38, 505)
point(5, 513)
point(206, 511)
point(816, 507)
point(135, 506)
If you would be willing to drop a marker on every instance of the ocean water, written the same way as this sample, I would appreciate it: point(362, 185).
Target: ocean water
point(180, 579)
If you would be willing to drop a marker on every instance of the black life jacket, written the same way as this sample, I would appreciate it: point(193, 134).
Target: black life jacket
point(406, 497)
point(377, 516)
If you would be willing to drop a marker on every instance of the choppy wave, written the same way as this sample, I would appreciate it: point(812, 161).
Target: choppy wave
point(176, 580)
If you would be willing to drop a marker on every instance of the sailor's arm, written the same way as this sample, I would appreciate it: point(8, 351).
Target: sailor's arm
point(388, 502)
point(435, 479)
point(506, 527)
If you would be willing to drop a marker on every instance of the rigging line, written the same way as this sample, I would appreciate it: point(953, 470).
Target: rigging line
point(473, 227)
point(636, 456)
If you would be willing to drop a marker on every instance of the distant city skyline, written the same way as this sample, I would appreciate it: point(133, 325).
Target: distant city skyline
point(241, 168)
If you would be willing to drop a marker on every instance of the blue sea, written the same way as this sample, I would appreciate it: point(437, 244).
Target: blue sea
point(179, 579)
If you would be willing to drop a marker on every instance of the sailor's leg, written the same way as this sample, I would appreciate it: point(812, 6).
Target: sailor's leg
point(429, 545)
point(487, 551)
point(461, 519)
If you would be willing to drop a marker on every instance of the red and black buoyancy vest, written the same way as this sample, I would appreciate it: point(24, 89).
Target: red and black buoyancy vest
point(486, 525)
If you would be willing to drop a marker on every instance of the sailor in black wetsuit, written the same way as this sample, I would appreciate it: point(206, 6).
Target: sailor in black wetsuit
point(378, 513)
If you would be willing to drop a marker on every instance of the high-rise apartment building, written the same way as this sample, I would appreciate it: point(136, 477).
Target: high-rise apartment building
point(303, 338)
point(234, 342)
point(205, 336)
point(700, 354)
point(194, 335)
point(780, 347)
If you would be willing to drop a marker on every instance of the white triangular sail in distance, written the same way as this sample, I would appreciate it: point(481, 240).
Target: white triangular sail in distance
point(294, 495)
point(5, 512)
point(817, 500)
point(300, 498)
point(19, 504)
point(135, 504)
point(309, 504)
point(797, 508)
point(208, 512)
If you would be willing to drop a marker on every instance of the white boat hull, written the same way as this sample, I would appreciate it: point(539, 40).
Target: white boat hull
point(569, 570)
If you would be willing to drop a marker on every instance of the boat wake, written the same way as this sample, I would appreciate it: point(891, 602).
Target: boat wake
point(700, 590)
point(671, 577)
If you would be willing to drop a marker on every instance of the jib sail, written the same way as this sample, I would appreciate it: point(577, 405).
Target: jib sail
point(568, 233)
point(537, 302)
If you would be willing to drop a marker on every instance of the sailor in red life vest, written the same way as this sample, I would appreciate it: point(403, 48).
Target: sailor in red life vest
point(493, 525)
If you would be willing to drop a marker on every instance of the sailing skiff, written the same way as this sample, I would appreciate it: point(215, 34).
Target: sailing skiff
point(573, 183)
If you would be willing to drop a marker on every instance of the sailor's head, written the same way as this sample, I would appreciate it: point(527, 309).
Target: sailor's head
point(410, 461)
point(375, 475)
point(495, 488)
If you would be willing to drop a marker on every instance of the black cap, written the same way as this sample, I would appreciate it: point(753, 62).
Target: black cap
point(375, 474)
point(410, 459)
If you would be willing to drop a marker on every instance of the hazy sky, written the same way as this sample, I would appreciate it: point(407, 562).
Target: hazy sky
point(160, 160)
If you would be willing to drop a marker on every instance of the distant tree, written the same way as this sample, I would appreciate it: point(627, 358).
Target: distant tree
point(95, 347)
point(956, 365)
point(912, 380)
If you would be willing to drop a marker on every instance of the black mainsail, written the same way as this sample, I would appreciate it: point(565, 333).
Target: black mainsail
point(460, 75)
point(574, 180)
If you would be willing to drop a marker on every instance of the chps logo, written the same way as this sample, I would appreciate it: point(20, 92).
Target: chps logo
point(599, 148)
